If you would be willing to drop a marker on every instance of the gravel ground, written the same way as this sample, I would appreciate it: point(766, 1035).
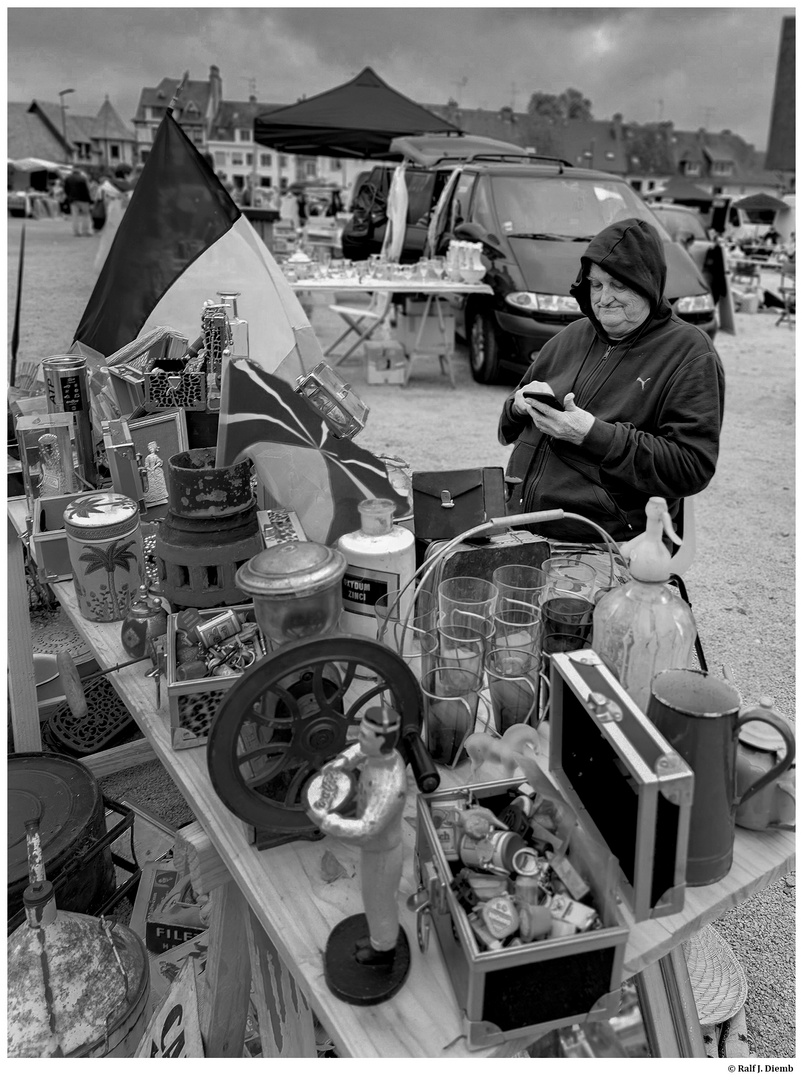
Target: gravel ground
point(741, 582)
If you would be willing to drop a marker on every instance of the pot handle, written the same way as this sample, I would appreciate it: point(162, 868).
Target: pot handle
point(767, 716)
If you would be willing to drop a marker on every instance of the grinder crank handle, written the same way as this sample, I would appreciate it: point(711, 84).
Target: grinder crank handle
point(71, 681)
point(424, 768)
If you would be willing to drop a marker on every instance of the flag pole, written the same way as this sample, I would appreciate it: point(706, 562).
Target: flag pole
point(15, 334)
point(178, 92)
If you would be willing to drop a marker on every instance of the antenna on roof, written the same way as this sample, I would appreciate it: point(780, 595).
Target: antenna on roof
point(178, 92)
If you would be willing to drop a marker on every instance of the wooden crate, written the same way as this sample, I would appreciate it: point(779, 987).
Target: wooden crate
point(193, 703)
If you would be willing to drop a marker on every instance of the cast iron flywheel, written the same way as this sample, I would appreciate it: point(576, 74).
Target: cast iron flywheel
point(295, 710)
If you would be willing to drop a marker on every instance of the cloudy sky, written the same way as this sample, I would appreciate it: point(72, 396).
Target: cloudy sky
point(710, 67)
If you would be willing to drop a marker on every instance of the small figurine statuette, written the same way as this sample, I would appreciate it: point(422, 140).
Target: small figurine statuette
point(368, 955)
point(52, 479)
point(157, 486)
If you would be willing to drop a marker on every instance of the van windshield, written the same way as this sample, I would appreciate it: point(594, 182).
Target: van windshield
point(560, 208)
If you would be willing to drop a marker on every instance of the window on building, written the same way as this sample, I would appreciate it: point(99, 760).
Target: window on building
point(282, 161)
point(220, 157)
point(114, 152)
point(334, 163)
point(243, 135)
point(309, 169)
point(721, 168)
point(249, 159)
point(691, 168)
point(237, 158)
point(265, 161)
point(265, 181)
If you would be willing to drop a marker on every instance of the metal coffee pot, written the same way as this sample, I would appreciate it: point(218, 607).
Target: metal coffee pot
point(760, 748)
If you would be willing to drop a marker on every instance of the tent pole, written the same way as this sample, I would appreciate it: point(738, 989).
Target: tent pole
point(15, 334)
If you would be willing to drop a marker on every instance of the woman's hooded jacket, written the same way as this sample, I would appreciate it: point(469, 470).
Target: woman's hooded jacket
point(657, 397)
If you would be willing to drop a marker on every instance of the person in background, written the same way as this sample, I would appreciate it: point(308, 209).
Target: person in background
point(76, 190)
point(641, 395)
point(303, 212)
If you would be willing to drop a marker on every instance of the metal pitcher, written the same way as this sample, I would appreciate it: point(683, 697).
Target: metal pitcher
point(700, 715)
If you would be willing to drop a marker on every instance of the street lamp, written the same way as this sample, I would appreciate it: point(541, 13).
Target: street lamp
point(62, 95)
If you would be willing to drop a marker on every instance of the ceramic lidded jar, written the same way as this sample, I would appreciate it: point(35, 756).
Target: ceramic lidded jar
point(104, 540)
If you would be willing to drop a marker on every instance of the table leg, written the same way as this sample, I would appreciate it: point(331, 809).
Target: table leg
point(286, 1026)
point(668, 1010)
point(21, 678)
point(226, 989)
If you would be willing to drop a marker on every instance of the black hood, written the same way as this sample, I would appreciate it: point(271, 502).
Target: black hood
point(633, 252)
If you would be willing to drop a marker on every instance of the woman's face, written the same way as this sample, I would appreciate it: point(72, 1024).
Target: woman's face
point(619, 309)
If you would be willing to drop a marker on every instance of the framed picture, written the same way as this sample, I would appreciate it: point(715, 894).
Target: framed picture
point(157, 438)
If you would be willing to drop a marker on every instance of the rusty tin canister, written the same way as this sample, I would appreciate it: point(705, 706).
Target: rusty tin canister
point(67, 800)
point(104, 540)
point(78, 986)
point(67, 390)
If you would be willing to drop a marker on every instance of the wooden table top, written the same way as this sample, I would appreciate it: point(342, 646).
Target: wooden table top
point(298, 908)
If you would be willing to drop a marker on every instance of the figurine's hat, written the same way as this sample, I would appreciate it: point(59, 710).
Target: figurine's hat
point(382, 719)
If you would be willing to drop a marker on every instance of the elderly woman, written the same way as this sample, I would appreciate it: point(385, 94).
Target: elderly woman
point(640, 398)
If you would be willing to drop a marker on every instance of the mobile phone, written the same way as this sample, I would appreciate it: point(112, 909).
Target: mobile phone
point(545, 399)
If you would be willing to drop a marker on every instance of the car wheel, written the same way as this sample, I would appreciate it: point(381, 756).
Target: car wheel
point(483, 349)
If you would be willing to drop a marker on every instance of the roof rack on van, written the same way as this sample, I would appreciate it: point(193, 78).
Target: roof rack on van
point(523, 156)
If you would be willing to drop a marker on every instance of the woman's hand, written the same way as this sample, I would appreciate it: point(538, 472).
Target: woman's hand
point(572, 425)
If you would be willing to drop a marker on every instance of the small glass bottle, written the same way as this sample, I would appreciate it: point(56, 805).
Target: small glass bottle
point(381, 559)
point(643, 627)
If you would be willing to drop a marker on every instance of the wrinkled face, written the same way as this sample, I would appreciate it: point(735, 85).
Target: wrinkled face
point(617, 306)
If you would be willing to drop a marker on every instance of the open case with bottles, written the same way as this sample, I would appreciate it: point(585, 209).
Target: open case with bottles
point(632, 797)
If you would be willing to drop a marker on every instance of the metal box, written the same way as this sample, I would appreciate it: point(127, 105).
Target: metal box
point(344, 412)
point(193, 703)
point(632, 789)
point(49, 539)
point(621, 771)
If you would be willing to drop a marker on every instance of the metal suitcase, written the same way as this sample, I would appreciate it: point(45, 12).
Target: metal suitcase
point(632, 794)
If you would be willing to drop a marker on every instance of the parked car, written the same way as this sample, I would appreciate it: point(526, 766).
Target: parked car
point(687, 227)
point(534, 218)
point(430, 162)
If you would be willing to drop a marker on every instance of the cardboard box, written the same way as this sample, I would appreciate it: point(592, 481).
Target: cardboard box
point(194, 702)
point(385, 362)
point(48, 538)
point(632, 797)
point(166, 911)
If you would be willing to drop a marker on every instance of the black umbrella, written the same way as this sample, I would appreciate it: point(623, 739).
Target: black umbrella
point(356, 120)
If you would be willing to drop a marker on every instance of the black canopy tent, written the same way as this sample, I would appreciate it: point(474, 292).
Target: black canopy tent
point(760, 202)
point(356, 120)
point(680, 190)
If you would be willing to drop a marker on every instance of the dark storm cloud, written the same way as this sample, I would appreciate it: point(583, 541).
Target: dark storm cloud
point(695, 66)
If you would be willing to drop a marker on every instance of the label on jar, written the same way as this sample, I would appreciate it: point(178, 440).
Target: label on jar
point(362, 588)
point(500, 917)
point(579, 915)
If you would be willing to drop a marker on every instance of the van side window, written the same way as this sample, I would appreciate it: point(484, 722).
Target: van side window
point(458, 211)
point(482, 213)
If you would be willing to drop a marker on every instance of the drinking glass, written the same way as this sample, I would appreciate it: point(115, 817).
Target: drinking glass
point(566, 575)
point(519, 582)
point(568, 615)
point(451, 699)
point(513, 684)
point(461, 597)
point(460, 646)
point(516, 626)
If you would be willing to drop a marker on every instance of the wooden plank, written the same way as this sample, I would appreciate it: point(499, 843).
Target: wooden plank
point(286, 1026)
point(116, 758)
point(226, 984)
point(21, 678)
point(195, 854)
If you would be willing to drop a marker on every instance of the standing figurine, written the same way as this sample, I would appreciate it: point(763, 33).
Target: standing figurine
point(52, 480)
point(157, 486)
point(367, 968)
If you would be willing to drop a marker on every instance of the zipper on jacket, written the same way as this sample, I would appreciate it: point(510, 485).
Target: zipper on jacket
point(597, 367)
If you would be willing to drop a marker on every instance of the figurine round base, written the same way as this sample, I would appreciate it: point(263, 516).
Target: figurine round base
point(362, 984)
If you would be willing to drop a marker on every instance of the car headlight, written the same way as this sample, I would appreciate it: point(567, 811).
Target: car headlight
point(688, 305)
point(530, 301)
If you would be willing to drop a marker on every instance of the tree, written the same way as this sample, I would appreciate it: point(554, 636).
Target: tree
point(650, 148)
point(547, 111)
